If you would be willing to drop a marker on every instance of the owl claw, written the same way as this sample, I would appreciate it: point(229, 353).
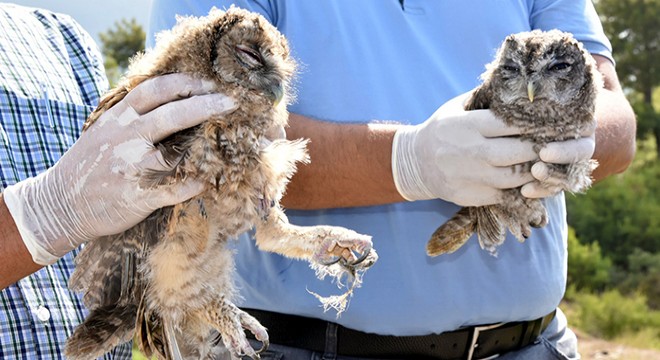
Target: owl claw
point(264, 347)
point(350, 253)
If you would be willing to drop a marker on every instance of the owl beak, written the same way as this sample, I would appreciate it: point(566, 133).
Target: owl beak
point(530, 91)
point(275, 94)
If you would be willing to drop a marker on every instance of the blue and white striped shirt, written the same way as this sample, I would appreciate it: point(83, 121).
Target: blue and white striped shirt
point(51, 78)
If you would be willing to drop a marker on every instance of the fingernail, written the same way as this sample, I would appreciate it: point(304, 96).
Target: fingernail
point(540, 171)
point(222, 102)
point(208, 86)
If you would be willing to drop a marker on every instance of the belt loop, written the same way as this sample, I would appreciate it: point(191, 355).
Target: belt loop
point(330, 351)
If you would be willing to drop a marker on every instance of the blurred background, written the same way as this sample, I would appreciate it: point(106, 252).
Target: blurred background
point(613, 295)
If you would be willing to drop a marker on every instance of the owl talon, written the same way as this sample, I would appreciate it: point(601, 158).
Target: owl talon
point(334, 260)
point(364, 256)
point(264, 347)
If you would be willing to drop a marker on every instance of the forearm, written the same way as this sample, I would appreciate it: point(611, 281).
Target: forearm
point(15, 260)
point(615, 134)
point(351, 165)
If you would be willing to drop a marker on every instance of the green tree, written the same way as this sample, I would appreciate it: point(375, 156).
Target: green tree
point(119, 44)
point(633, 26)
point(587, 268)
point(622, 212)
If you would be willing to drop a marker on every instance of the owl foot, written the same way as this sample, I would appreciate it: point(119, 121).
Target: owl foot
point(574, 178)
point(346, 252)
point(230, 321)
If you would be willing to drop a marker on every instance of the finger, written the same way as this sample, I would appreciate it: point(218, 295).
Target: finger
point(504, 152)
point(491, 126)
point(156, 91)
point(179, 115)
point(569, 151)
point(535, 190)
point(171, 194)
point(155, 161)
point(509, 177)
point(481, 196)
point(540, 171)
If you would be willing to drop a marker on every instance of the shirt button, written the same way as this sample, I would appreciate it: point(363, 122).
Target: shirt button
point(43, 313)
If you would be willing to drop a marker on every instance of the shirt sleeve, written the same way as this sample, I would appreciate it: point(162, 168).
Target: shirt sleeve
point(578, 17)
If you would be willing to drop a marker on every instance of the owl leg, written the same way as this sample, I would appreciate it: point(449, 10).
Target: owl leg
point(230, 321)
point(574, 177)
point(323, 245)
point(520, 214)
point(331, 250)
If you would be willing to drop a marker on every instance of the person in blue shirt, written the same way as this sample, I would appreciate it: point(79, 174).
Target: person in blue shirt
point(372, 75)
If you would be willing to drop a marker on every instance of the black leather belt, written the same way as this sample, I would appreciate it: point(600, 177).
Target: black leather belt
point(470, 343)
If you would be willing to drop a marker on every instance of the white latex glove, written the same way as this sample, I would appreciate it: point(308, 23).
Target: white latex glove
point(560, 152)
point(93, 189)
point(460, 156)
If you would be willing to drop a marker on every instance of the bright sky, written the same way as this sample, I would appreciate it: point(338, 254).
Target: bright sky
point(96, 16)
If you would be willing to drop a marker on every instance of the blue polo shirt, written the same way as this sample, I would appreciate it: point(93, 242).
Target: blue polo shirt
point(390, 60)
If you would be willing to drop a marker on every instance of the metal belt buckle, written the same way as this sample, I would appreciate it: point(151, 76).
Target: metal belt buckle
point(475, 338)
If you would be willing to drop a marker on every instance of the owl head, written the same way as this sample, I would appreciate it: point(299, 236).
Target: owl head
point(235, 49)
point(541, 66)
point(248, 50)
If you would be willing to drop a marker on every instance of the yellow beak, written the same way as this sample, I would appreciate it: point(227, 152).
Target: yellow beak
point(530, 91)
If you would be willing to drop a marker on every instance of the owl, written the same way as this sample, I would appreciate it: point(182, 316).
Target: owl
point(167, 282)
point(545, 83)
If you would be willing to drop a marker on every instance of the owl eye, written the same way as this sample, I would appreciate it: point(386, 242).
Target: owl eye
point(560, 66)
point(510, 68)
point(249, 57)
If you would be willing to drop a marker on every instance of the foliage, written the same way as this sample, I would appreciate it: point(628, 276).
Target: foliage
point(633, 27)
point(119, 45)
point(643, 275)
point(610, 315)
point(587, 268)
point(622, 213)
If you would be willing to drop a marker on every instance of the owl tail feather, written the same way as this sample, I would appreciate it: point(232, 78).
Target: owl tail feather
point(451, 235)
point(490, 227)
point(104, 328)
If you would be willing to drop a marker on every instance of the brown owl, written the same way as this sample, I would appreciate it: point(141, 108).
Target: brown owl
point(545, 83)
point(167, 282)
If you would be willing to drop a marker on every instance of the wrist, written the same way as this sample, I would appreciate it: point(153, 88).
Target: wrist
point(39, 224)
point(406, 170)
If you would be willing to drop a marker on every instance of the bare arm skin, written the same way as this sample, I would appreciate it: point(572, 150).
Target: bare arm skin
point(615, 134)
point(351, 163)
point(15, 260)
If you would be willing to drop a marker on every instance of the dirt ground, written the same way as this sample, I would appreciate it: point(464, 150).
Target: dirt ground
point(598, 349)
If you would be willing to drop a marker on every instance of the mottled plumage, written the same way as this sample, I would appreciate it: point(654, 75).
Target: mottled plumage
point(168, 280)
point(545, 83)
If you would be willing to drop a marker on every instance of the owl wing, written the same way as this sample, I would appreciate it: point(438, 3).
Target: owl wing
point(108, 276)
point(480, 98)
point(451, 235)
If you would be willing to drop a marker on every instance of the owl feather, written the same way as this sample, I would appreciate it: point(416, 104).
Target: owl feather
point(545, 83)
point(167, 281)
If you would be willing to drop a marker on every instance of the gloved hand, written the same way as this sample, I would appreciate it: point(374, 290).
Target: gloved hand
point(460, 156)
point(93, 189)
point(560, 152)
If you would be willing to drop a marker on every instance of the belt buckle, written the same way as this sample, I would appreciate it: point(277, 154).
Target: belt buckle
point(475, 337)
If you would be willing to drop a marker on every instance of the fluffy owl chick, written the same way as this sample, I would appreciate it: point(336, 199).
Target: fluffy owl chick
point(545, 83)
point(168, 280)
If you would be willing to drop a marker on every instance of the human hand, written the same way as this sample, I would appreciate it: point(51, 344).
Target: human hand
point(94, 189)
point(466, 157)
point(565, 165)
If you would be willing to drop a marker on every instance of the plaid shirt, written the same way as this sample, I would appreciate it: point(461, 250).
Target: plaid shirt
point(51, 76)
